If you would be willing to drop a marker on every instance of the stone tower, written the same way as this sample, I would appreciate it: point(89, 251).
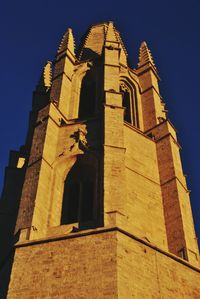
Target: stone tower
point(103, 205)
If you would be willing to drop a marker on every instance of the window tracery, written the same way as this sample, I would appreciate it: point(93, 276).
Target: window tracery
point(129, 102)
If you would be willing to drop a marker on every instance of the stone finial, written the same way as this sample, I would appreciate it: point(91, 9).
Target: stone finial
point(67, 42)
point(111, 33)
point(145, 55)
point(46, 76)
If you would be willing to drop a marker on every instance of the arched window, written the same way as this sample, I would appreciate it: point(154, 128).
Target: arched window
point(129, 102)
point(87, 102)
point(80, 194)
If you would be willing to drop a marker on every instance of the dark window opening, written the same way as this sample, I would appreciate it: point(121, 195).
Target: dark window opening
point(80, 194)
point(87, 201)
point(70, 207)
point(183, 254)
point(126, 104)
point(87, 102)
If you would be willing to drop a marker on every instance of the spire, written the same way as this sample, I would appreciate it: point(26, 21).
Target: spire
point(113, 36)
point(111, 33)
point(46, 77)
point(145, 56)
point(67, 42)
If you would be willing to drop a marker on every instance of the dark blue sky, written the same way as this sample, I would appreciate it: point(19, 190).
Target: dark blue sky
point(30, 32)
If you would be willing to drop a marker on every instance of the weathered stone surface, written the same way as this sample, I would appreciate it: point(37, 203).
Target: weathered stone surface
point(101, 124)
point(99, 264)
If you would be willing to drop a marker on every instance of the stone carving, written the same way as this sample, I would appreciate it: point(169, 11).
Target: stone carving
point(80, 140)
point(123, 87)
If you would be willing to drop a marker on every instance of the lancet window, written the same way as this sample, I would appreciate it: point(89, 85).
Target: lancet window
point(80, 194)
point(129, 102)
point(87, 103)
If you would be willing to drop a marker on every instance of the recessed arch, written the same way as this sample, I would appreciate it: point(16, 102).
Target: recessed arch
point(77, 78)
point(129, 102)
point(60, 169)
point(81, 200)
point(87, 100)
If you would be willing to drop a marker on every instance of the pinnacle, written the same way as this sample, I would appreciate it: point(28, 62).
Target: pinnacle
point(67, 42)
point(111, 33)
point(145, 55)
point(143, 44)
point(46, 76)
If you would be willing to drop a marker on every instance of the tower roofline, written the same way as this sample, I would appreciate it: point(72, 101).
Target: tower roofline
point(88, 40)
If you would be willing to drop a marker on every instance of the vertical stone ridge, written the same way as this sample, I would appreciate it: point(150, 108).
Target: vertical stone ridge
point(121, 42)
point(83, 42)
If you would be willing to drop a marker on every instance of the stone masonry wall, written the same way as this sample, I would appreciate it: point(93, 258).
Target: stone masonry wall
point(83, 267)
point(144, 208)
point(144, 272)
point(101, 263)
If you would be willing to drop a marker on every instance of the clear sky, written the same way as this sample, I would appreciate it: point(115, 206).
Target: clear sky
point(30, 32)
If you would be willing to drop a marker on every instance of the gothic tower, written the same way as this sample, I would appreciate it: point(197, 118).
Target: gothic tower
point(101, 202)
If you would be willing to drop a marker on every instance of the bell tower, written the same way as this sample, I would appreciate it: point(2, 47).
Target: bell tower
point(103, 208)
